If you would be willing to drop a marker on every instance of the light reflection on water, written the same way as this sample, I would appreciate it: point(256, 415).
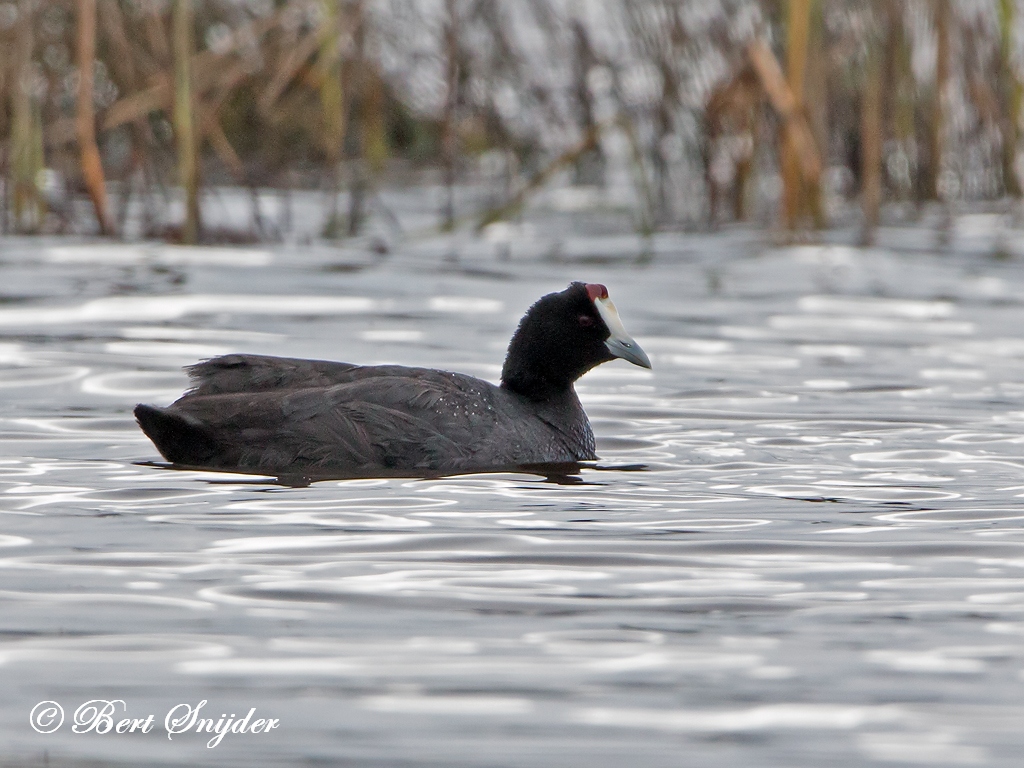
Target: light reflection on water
point(817, 561)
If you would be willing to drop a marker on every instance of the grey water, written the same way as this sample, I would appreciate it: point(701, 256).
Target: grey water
point(803, 544)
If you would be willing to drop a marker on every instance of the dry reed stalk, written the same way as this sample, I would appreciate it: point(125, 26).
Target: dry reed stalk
point(733, 106)
point(358, 121)
point(295, 58)
point(785, 104)
point(185, 134)
point(375, 139)
point(898, 99)
point(210, 71)
point(668, 106)
point(800, 192)
point(26, 142)
point(1011, 97)
point(156, 34)
point(816, 108)
point(332, 91)
point(936, 132)
point(871, 133)
point(92, 167)
point(590, 168)
point(449, 139)
point(797, 29)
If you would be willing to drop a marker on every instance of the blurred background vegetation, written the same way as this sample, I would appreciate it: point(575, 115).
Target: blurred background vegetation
point(796, 114)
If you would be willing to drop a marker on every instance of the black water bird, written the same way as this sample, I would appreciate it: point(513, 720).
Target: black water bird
point(282, 415)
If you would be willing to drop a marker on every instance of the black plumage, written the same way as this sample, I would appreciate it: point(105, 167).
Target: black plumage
point(292, 416)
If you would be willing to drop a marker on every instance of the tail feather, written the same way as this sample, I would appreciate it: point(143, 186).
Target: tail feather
point(179, 439)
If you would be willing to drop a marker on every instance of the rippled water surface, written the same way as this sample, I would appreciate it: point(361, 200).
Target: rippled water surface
point(803, 545)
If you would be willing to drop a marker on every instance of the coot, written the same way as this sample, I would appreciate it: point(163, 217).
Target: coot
point(312, 417)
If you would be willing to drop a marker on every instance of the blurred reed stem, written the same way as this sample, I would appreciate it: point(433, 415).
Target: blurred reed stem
point(449, 139)
point(185, 134)
point(801, 194)
point(936, 129)
point(871, 126)
point(92, 167)
point(26, 143)
point(1011, 97)
point(332, 102)
point(357, 121)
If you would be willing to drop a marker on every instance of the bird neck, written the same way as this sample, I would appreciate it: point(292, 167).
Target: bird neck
point(564, 414)
point(534, 386)
point(537, 369)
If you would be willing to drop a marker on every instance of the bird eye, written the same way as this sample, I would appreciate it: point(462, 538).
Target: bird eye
point(586, 321)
